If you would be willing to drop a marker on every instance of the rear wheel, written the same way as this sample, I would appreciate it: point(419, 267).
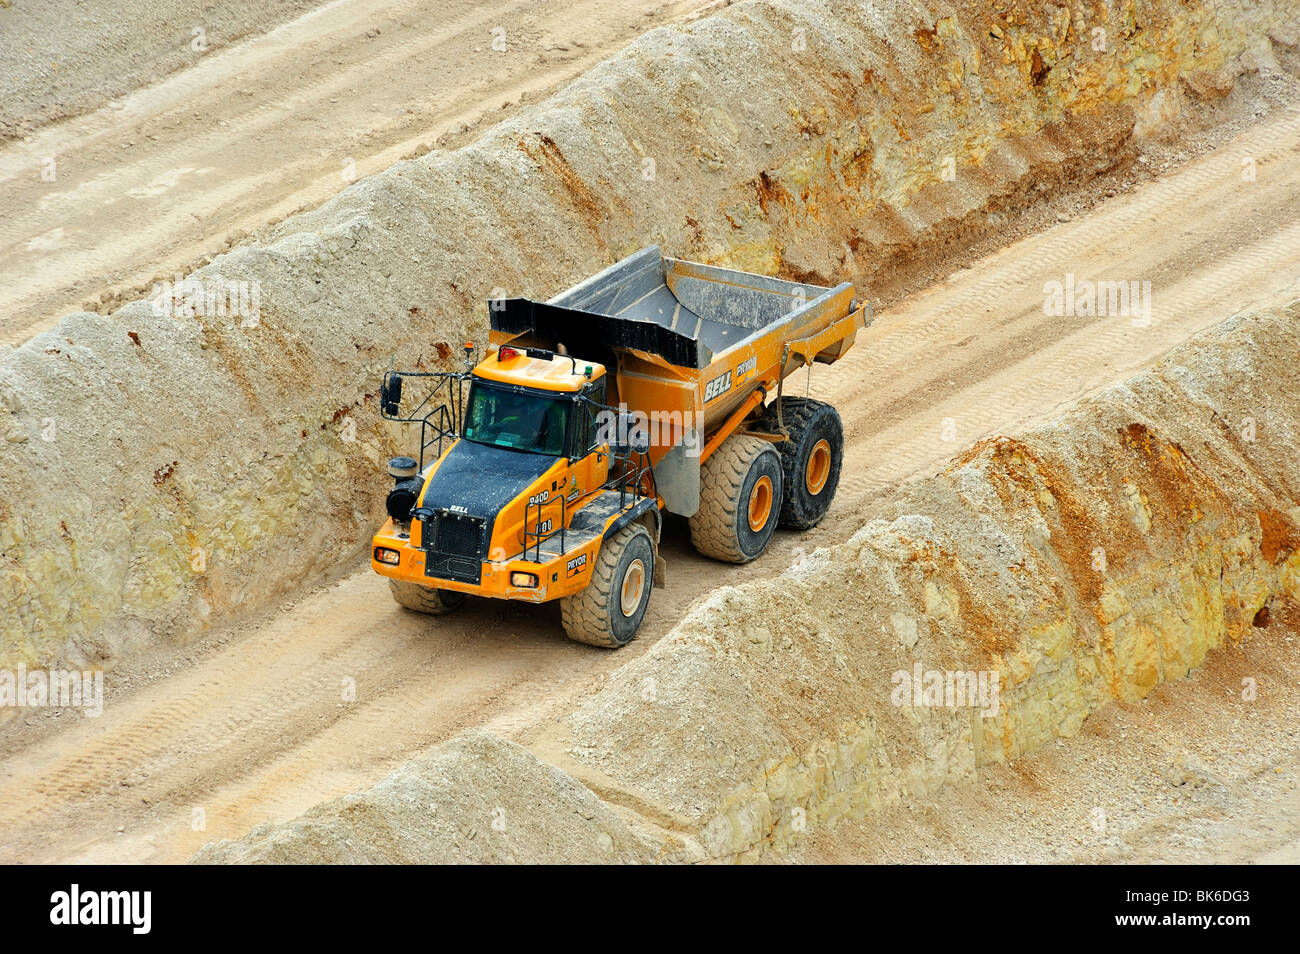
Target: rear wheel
point(425, 599)
point(810, 460)
point(608, 612)
point(740, 498)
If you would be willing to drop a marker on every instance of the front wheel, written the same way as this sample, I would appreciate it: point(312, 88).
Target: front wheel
point(425, 599)
point(608, 612)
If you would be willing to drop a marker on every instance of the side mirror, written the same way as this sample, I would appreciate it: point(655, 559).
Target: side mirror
point(390, 394)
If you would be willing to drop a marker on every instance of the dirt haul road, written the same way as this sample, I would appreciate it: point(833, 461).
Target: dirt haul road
point(261, 722)
point(161, 179)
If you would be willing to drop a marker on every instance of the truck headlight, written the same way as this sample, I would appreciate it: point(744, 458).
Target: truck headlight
point(528, 580)
point(385, 555)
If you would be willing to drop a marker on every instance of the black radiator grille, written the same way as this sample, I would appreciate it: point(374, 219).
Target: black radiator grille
point(455, 544)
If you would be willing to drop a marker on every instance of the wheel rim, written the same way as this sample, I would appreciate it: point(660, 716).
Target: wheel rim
point(760, 503)
point(633, 587)
point(818, 468)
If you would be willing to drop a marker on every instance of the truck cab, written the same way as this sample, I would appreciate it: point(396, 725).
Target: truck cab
point(520, 500)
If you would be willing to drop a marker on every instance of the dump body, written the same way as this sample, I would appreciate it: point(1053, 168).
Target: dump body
point(689, 345)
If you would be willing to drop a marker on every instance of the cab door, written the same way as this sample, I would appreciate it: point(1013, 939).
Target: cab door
point(588, 451)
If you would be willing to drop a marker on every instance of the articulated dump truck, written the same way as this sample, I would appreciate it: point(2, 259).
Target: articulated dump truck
point(657, 385)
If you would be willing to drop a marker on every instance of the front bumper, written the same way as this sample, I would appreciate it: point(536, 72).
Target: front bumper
point(560, 577)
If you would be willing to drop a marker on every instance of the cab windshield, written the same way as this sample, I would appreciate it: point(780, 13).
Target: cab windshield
point(519, 420)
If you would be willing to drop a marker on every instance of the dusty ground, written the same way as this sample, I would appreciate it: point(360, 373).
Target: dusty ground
point(251, 724)
point(62, 58)
point(162, 177)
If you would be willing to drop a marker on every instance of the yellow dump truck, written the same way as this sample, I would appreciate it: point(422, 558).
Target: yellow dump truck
point(544, 468)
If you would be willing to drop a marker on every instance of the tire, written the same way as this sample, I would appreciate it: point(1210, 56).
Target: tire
point(608, 612)
point(425, 599)
point(810, 460)
point(740, 494)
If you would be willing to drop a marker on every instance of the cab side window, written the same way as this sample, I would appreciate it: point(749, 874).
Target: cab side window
point(586, 426)
point(597, 396)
